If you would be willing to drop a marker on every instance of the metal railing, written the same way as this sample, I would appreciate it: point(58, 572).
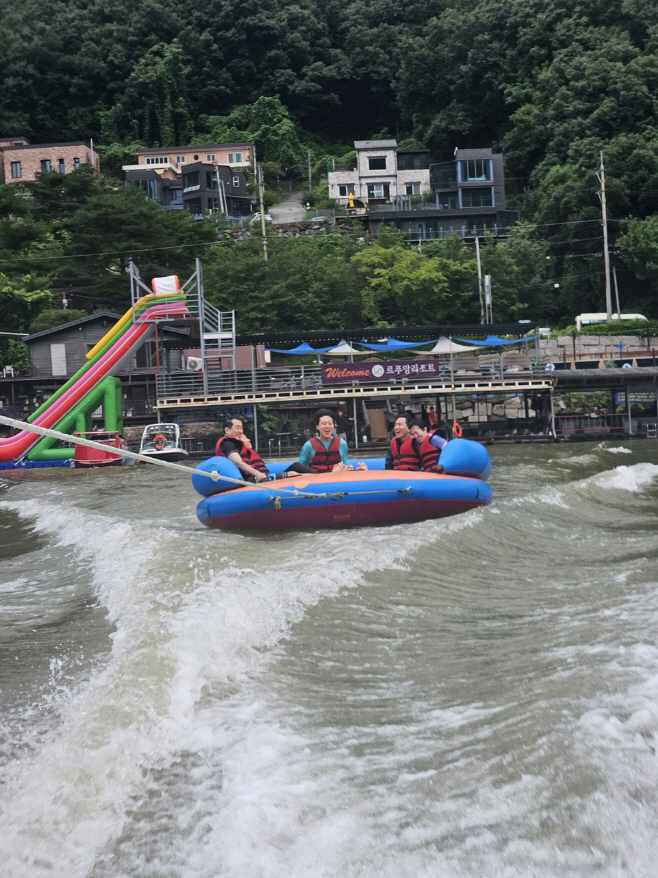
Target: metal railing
point(301, 378)
point(236, 382)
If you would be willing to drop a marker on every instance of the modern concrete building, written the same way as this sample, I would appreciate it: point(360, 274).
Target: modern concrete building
point(468, 199)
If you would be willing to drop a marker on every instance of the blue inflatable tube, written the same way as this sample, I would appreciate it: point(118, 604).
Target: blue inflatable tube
point(347, 499)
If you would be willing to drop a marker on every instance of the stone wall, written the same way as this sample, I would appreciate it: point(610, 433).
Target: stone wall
point(286, 230)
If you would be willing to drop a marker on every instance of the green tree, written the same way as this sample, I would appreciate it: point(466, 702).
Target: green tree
point(49, 318)
point(307, 283)
point(109, 230)
point(403, 286)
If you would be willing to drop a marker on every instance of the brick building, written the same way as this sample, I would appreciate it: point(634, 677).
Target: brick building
point(21, 161)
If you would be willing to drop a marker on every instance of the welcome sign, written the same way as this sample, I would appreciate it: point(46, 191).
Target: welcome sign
point(391, 370)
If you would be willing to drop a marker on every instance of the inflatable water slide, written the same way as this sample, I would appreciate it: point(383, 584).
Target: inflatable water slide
point(69, 409)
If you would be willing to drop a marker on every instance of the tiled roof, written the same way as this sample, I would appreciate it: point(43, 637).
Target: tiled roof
point(375, 144)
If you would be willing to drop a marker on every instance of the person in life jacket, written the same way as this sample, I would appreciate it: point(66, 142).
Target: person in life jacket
point(404, 451)
point(431, 444)
point(326, 452)
point(237, 447)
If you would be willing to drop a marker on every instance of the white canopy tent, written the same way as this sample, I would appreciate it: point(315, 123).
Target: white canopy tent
point(447, 346)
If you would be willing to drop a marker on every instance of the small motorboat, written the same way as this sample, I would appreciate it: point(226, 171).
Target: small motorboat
point(347, 499)
point(162, 441)
point(87, 458)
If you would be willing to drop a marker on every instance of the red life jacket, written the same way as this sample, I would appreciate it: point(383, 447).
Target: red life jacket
point(429, 455)
point(405, 455)
point(325, 459)
point(247, 454)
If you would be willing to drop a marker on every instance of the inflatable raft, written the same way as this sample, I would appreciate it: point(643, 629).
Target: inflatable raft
point(348, 499)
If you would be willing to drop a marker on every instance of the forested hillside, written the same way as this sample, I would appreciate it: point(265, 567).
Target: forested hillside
point(550, 82)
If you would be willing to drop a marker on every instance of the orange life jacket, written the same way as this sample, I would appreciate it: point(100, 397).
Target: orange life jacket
point(247, 454)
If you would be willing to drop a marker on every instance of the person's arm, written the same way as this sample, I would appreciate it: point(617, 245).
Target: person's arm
point(307, 454)
point(244, 467)
point(388, 463)
point(438, 442)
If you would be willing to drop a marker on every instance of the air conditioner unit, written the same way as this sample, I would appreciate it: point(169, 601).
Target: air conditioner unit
point(194, 364)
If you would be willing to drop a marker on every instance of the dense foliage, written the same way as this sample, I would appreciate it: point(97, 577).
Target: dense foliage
point(553, 83)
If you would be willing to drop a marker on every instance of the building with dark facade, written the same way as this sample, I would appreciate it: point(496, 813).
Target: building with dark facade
point(201, 179)
point(468, 199)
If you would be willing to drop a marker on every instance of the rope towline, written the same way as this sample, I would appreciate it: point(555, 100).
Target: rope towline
point(338, 495)
point(178, 467)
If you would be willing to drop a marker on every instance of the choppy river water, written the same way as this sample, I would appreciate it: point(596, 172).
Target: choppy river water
point(476, 696)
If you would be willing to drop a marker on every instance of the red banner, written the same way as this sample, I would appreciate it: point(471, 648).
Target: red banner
point(391, 370)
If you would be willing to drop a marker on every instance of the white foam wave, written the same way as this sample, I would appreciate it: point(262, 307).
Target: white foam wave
point(633, 478)
point(195, 617)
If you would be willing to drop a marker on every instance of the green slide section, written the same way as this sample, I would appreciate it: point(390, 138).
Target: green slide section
point(107, 392)
point(81, 371)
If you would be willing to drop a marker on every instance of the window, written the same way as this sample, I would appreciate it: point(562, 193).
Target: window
point(346, 190)
point(157, 160)
point(211, 157)
point(213, 204)
point(480, 197)
point(58, 359)
point(16, 170)
point(410, 161)
point(60, 166)
point(149, 186)
point(193, 205)
point(446, 200)
point(377, 163)
point(378, 190)
point(76, 162)
point(474, 170)
point(412, 188)
point(180, 159)
point(234, 158)
point(236, 181)
point(45, 166)
point(445, 175)
point(191, 181)
point(211, 180)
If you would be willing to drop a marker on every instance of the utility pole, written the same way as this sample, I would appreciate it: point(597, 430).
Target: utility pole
point(477, 254)
point(614, 274)
point(606, 254)
point(488, 307)
point(310, 173)
point(261, 187)
point(222, 204)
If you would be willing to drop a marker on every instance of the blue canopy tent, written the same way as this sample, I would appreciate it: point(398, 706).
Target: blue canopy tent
point(302, 348)
point(492, 341)
point(393, 344)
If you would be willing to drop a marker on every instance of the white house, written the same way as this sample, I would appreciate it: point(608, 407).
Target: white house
point(380, 173)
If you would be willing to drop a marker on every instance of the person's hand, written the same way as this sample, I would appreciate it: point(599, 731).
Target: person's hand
point(361, 465)
point(261, 477)
point(340, 467)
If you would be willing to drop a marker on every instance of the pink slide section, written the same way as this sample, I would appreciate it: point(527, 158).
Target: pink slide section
point(15, 447)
